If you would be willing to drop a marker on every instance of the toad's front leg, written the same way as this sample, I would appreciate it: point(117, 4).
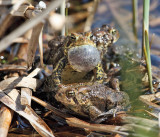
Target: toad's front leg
point(94, 113)
point(99, 73)
point(104, 116)
point(56, 74)
point(97, 116)
point(54, 80)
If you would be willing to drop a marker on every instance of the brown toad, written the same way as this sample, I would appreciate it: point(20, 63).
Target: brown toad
point(93, 101)
point(74, 56)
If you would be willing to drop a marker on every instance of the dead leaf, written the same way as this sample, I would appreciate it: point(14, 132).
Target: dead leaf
point(6, 115)
point(33, 43)
point(25, 111)
point(26, 82)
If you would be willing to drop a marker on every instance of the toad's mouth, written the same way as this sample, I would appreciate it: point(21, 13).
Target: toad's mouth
point(83, 58)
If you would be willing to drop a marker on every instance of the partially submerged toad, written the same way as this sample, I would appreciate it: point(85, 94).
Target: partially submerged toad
point(95, 101)
point(74, 56)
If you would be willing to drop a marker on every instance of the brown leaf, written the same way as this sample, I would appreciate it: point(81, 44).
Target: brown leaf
point(27, 112)
point(33, 43)
point(26, 94)
point(13, 82)
point(12, 68)
point(6, 115)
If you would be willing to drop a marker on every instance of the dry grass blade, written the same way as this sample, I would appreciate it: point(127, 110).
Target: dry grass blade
point(8, 2)
point(6, 23)
point(50, 107)
point(62, 11)
point(17, 5)
point(143, 121)
point(26, 94)
point(5, 42)
point(24, 11)
point(6, 115)
point(147, 99)
point(142, 126)
point(152, 114)
point(75, 122)
point(20, 40)
point(12, 93)
point(34, 73)
point(41, 48)
point(12, 68)
point(148, 102)
point(11, 98)
point(27, 112)
point(33, 43)
point(13, 82)
point(151, 97)
point(40, 126)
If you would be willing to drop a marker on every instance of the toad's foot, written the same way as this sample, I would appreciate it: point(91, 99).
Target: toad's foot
point(104, 116)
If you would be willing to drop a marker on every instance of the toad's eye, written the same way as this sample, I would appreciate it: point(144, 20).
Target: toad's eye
point(73, 37)
point(91, 37)
point(114, 31)
point(70, 93)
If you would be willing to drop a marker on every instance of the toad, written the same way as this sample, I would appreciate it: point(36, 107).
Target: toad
point(75, 56)
point(95, 101)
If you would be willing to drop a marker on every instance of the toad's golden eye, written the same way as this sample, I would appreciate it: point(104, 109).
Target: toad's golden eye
point(70, 93)
point(73, 37)
point(91, 37)
point(114, 31)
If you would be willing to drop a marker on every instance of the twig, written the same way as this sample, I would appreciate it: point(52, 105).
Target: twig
point(34, 72)
point(33, 43)
point(8, 2)
point(75, 122)
point(12, 68)
point(63, 6)
point(6, 115)
point(5, 42)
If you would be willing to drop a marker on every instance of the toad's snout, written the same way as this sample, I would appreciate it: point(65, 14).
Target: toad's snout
point(83, 58)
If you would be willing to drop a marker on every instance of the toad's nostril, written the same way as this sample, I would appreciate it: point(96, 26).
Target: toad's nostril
point(83, 58)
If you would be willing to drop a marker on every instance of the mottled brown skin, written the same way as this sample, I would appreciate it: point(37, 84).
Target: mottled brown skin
point(93, 101)
point(90, 99)
point(100, 38)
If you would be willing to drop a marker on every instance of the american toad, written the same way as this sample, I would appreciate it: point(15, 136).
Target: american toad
point(75, 56)
point(95, 101)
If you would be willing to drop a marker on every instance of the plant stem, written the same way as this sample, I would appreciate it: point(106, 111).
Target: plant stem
point(148, 60)
point(145, 42)
point(62, 10)
point(145, 21)
point(134, 20)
